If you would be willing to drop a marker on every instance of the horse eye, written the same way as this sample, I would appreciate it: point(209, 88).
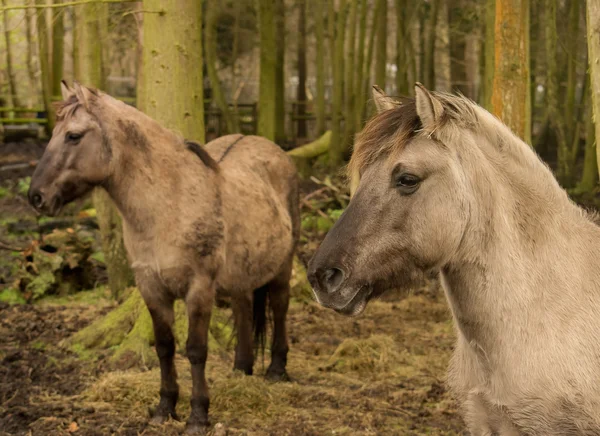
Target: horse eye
point(407, 182)
point(74, 137)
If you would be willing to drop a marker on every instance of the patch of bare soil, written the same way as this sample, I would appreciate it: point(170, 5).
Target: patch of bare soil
point(381, 373)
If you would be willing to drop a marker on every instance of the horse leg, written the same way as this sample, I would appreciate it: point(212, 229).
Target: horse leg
point(244, 350)
point(199, 303)
point(279, 299)
point(161, 311)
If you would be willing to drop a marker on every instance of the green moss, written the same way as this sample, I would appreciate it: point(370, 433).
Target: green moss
point(23, 186)
point(5, 192)
point(88, 297)
point(12, 296)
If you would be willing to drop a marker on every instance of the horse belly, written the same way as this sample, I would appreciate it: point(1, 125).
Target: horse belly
point(258, 245)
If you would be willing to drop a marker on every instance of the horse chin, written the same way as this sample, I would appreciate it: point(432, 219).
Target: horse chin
point(357, 304)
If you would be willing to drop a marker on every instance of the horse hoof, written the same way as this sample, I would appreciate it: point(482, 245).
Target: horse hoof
point(158, 416)
point(196, 428)
point(277, 376)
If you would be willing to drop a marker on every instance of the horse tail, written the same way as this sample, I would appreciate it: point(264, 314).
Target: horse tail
point(259, 318)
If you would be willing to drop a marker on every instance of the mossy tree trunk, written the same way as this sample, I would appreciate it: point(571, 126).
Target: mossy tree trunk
point(267, 90)
point(552, 113)
point(429, 55)
point(91, 73)
point(488, 55)
point(589, 177)
point(593, 37)
point(280, 136)
point(510, 87)
point(381, 45)
point(301, 90)
point(350, 70)
point(172, 58)
point(443, 80)
point(210, 50)
point(359, 89)
point(401, 34)
point(317, 7)
point(572, 53)
point(30, 48)
point(46, 74)
point(58, 46)
point(12, 83)
point(366, 82)
point(336, 149)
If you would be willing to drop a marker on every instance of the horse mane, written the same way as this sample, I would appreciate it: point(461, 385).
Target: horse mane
point(66, 108)
point(199, 151)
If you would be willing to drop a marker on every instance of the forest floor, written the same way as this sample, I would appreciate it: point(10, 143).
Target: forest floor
point(380, 373)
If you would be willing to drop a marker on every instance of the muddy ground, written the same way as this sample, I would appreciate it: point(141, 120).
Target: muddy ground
point(381, 373)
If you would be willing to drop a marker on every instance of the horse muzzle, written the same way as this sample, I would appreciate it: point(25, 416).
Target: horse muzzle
point(44, 204)
point(331, 290)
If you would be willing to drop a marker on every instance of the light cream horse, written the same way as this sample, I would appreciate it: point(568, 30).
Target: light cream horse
point(441, 184)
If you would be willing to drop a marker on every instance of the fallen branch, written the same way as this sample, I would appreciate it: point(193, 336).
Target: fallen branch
point(313, 149)
point(5, 246)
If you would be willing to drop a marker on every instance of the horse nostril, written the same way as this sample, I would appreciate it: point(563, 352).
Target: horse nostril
point(36, 200)
point(331, 279)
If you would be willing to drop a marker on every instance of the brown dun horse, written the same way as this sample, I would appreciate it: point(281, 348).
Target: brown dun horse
point(196, 221)
point(440, 184)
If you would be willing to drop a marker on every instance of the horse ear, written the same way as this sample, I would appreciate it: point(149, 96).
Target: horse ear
point(83, 95)
point(65, 90)
point(382, 101)
point(429, 108)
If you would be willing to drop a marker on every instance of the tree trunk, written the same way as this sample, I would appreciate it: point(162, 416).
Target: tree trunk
point(320, 65)
point(58, 36)
point(593, 34)
point(472, 63)
point(442, 49)
point(429, 55)
point(267, 90)
point(552, 112)
point(381, 47)
point(30, 49)
point(12, 83)
point(44, 52)
point(336, 149)
point(210, 49)
point(350, 70)
point(401, 35)
point(76, 11)
point(510, 86)
point(488, 55)
point(91, 73)
point(301, 91)
point(279, 19)
point(572, 51)
point(360, 92)
point(589, 177)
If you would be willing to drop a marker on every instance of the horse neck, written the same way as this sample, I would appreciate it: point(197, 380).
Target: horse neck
point(151, 172)
point(520, 233)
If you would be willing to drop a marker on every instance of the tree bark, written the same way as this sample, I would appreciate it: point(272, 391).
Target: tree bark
point(30, 49)
point(336, 149)
point(44, 52)
point(350, 70)
point(510, 86)
point(443, 81)
point(320, 66)
point(589, 177)
point(279, 19)
point(488, 55)
point(429, 55)
point(552, 113)
point(360, 92)
point(210, 50)
point(381, 47)
point(58, 35)
point(593, 36)
point(572, 51)
point(301, 91)
point(266, 93)
point(12, 83)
